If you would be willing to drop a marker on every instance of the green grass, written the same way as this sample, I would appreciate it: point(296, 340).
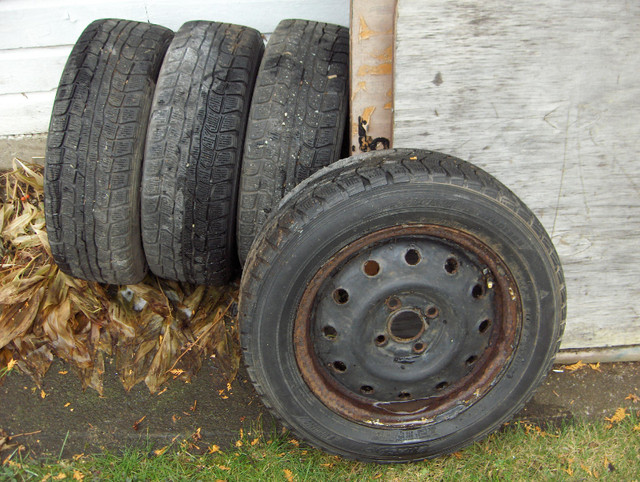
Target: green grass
point(572, 451)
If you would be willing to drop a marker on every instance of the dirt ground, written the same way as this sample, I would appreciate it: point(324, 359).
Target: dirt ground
point(61, 417)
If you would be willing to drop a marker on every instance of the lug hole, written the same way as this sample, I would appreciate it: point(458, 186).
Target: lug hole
point(329, 332)
point(339, 366)
point(451, 265)
point(393, 303)
point(381, 340)
point(419, 347)
point(442, 385)
point(471, 360)
point(404, 395)
point(341, 296)
point(477, 291)
point(366, 389)
point(484, 326)
point(431, 311)
point(412, 257)
point(371, 268)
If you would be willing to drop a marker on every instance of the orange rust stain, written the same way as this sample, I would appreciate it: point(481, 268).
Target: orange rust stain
point(365, 31)
point(382, 69)
point(388, 105)
point(360, 87)
point(390, 93)
point(386, 56)
point(367, 113)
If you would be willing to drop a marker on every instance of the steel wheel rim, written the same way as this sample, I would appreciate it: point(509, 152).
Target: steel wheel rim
point(405, 324)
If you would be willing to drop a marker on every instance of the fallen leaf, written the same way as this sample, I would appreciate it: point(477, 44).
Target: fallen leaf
point(568, 470)
point(213, 449)
point(457, 455)
point(576, 366)
point(11, 364)
point(223, 467)
point(67, 404)
point(294, 442)
point(595, 366)
point(288, 475)
point(620, 415)
point(60, 476)
point(634, 398)
point(63, 372)
point(136, 424)
point(254, 441)
point(238, 443)
point(77, 475)
point(161, 451)
point(42, 394)
point(586, 469)
point(636, 428)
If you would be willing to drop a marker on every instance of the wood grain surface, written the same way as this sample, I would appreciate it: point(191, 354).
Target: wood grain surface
point(545, 96)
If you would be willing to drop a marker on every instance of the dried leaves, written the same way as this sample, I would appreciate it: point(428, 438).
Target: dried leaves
point(155, 329)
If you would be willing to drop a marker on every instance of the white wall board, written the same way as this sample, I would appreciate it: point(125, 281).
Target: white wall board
point(36, 37)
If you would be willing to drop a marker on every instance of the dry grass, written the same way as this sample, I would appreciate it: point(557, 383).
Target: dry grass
point(156, 330)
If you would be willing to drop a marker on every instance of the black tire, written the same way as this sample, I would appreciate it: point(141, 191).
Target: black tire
point(95, 147)
point(297, 118)
point(193, 151)
point(451, 247)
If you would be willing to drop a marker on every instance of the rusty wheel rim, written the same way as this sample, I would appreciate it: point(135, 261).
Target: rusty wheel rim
point(407, 324)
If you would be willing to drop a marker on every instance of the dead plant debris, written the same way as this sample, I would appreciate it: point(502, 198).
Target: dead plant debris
point(156, 330)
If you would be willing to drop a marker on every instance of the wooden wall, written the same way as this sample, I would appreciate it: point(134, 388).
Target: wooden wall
point(545, 95)
point(36, 37)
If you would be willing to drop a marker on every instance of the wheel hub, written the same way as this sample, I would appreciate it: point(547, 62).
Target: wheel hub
point(406, 323)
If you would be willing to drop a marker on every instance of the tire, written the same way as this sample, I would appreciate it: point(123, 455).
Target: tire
point(193, 151)
point(297, 118)
point(95, 147)
point(400, 305)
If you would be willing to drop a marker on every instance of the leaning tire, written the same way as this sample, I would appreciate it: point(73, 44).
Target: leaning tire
point(297, 118)
point(193, 152)
point(95, 147)
point(400, 305)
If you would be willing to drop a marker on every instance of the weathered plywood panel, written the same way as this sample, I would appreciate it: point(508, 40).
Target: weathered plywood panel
point(545, 96)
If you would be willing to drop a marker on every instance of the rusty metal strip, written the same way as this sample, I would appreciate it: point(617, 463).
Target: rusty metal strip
point(371, 69)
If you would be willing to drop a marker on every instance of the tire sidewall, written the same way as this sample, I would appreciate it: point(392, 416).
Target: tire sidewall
point(303, 252)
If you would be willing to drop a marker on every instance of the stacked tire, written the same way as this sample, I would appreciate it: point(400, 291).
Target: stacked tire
point(394, 305)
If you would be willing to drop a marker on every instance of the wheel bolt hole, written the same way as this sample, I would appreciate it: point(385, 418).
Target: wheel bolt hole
point(477, 291)
point(484, 326)
point(339, 366)
point(412, 257)
point(471, 360)
point(393, 303)
point(381, 340)
point(366, 389)
point(432, 311)
point(442, 385)
point(451, 265)
point(329, 332)
point(371, 268)
point(341, 296)
point(404, 395)
point(419, 347)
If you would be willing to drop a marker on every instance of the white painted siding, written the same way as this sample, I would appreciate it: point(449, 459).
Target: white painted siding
point(36, 37)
